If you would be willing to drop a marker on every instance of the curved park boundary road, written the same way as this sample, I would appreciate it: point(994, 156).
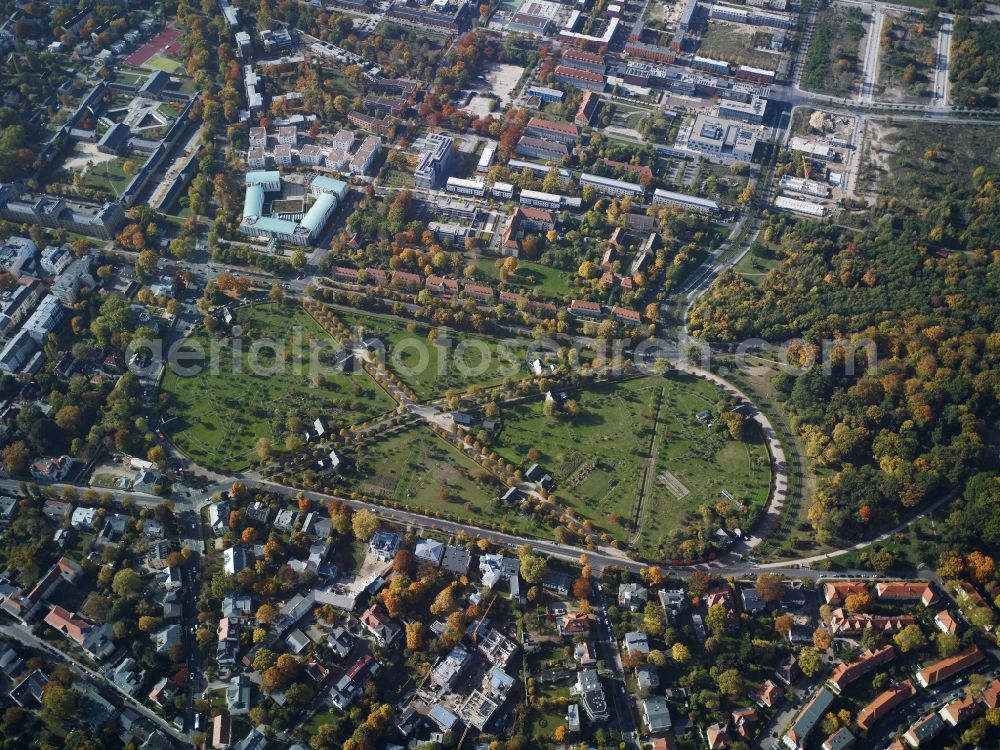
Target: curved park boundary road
point(778, 494)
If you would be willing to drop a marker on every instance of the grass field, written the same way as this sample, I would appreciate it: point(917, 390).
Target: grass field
point(419, 471)
point(222, 412)
point(705, 460)
point(735, 43)
point(164, 63)
point(600, 458)
point(545, 280)
point(430, 369)
point(831, 64)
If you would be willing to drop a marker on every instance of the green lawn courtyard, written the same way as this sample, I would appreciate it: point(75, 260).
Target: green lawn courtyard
point(545, 281)
point(220, 413)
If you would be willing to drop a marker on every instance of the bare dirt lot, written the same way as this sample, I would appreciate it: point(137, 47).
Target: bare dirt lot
point(501, 79)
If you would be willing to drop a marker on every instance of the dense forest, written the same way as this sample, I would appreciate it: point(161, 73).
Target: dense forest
point(975, 67)
point(921, 281)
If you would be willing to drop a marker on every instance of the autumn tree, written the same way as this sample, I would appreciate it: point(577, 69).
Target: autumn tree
point(267, 614)
point(415, 633)
point(809, 661)
point(770, 587)
point(364, 524)
point(860, 601)
point(783, 624)
point(680, 653)
point(822, 640)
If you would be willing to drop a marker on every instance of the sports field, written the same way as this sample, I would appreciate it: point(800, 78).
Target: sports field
point(165, 41)
point(254, 390)
point(164, 63)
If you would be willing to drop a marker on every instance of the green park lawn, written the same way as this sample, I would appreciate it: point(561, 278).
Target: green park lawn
point(221, 412)
point(420, 471)
point(599, 459)
point(707, 461)
point(545, 281)
point(431, 369)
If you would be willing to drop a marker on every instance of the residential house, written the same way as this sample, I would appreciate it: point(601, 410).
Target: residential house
point(844, 674)
point(884, 703)
point(945, 668)
point(837, 592)
point(429, 551)
point(588, 687)
point(574, 623)
point(924, 730)
point(234, 560)
point(717, 736)
point(163, 692)
point(456, 561)
point(902, 591)
point(673, 601)
point(384, 630)
point(961, 710)
point(256, 740)
point(384, 545)
point(636, 643)
point(769, 694)
point(495, 568)
point(752, 603)
point(842, 739)
point(807, 719)
point(842, 623)
point(558, 583)
point(633, 596)
point(166, 638)
point(744, 720)
point(656, 715)
point(51, 469)
point(28, 692)
point(647, 679)
point(95, 641)
point(218, 517)
point(946, 622)
point(127, 676)
point(222, 730)
point(239, 695)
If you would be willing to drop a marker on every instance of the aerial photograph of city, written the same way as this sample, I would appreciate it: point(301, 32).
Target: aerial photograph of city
point(499, 375)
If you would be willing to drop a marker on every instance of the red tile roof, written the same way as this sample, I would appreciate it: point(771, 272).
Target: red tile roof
point(945, 668)
point(844, 674)
point(884, 703)
point(903, 590)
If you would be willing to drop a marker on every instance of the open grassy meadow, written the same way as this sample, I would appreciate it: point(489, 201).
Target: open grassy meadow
point(220, 413)
point(421, 472)
point(432, 367)
point(639, 437)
